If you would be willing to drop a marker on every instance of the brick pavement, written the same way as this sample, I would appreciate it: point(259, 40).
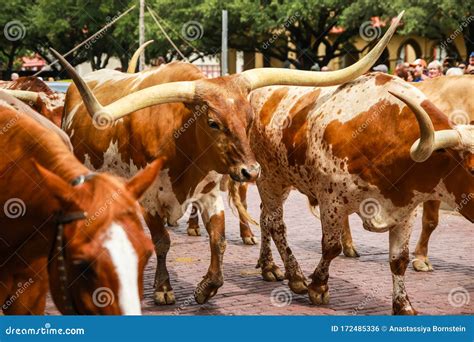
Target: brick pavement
point(357, 286)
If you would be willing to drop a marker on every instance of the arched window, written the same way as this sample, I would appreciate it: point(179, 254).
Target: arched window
point(408, 51)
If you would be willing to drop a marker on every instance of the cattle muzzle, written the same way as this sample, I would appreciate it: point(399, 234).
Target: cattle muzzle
point(246, 173)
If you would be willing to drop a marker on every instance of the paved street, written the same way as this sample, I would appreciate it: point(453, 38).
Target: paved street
point(357, 286)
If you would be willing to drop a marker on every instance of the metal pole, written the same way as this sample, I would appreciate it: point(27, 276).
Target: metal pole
point(224, 67)
point(141, 26)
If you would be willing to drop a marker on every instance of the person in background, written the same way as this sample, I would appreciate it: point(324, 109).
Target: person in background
point(401, 70)
point(448, 63)
point(435, 69)
point(381, 68)
point(470, 70)
point(471, 59)
point(454, 72)
point(419, 67)
point(14, 76)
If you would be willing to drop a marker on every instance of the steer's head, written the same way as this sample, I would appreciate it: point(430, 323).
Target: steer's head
point(223, 101)
point(223, 125)
point(449, 151)
point(100, 249)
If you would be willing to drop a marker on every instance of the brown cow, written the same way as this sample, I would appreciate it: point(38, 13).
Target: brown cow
point(199, 124)
point(349, 148)
point(39, 96)
point(81, 231)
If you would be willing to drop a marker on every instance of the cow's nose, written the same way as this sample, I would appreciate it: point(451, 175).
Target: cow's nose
point(250, 173)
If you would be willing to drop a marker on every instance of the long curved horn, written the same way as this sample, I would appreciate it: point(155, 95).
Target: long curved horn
point(23, 95)
point(261, 77)
point(429, 140)
point(132, 65)
point(161, 93)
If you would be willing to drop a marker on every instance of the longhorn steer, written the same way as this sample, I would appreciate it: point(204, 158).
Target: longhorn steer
point(199, 124)
point(348, 148)
point(450, 95)
point(81, 231)
point(35, 92)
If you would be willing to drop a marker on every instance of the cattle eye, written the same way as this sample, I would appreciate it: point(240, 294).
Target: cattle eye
point(213, 124)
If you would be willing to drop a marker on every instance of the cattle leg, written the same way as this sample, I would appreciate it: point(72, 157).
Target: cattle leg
point(193, 222)
point(245, 232)
point(332, 226)
point(163, 292)
point(214, 221)
point(399, 238)
point(271, 220)
point(421, 262)
point(347, 243)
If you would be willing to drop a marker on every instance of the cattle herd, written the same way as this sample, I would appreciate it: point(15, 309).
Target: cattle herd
point(123, 153)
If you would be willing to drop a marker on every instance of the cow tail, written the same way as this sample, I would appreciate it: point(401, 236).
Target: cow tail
point(234, 198)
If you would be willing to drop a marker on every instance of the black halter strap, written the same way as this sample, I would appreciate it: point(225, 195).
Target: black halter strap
point(58, 250)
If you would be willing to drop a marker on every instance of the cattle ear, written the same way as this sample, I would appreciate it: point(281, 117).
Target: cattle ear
point(60, 189)
point(145, 178)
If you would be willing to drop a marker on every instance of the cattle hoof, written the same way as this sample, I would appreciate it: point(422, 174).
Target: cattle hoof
point(271, 272)
point(194, 231)
point(164, 298)
point(350, 252)
point(319, 295)
point(250, 240)
point(298, 286)
point(422, 266)
point(206, 290)
point(405, 311)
